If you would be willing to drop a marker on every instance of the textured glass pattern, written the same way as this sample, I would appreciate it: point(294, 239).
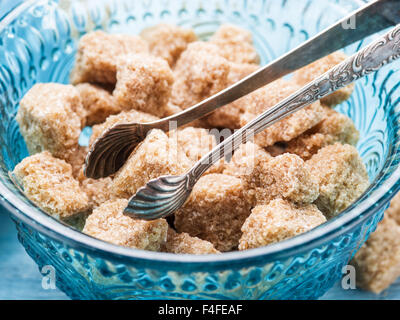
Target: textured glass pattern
point(38, 43)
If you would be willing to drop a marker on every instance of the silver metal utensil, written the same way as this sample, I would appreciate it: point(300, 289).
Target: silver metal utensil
point(113, 148)
point(162, 196)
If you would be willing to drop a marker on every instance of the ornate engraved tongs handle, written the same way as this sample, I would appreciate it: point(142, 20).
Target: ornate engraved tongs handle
point(368, 60)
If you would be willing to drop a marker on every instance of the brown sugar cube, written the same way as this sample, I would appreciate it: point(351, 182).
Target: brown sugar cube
point(98, 191)
point(377, 263)
point(341, 175)
point(98, 52)
point(335, 127)
point(123, 117)
point(286, 129)
point(245, 158)
point(182, 243)
point(235, 44)
point(168, 41)
point(338, 125)
point(108, 223)
point(277, 221)
point(306, 145)
point(215, 211)
point(318, 68)
point(50, 118)
point(238, 71)
point(266, 177)
point(292, 179)
point(196, 143)
point(200, 72)
point(394, 210)
point(144, 83)
point(229, 116)
point(98, 103)
point(76, 158)
point(156, 156)
point(48, 182)
point(285, 176)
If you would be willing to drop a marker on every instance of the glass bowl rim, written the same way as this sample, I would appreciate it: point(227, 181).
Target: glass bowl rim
point(52, 228)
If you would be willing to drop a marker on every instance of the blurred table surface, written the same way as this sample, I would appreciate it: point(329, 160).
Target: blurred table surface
point(21, 279)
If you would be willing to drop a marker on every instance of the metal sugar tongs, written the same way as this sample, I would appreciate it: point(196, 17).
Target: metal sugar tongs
point(164, 195)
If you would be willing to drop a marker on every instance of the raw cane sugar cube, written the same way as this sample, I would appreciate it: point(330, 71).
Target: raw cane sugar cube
point(108, 223)
point(335, 127)
point(318, 68)
point(377, 263)
point(196, 143)
point(285, 176)
point(293, 180)
point(182, 243)
point(229, 116)
point(123, 117)
point(98, 53)
point(168, 41)
point(341, 175)
point(266, 177)
point(340, 126)
point(144, 83)
point(98, 191)
point(48, 182)
point(200, 72)
point(244, 159)
point(277, 221)
point(286, 129)
point(76, 158)
point(215, 211)
point(238, 71)
point(50, 117)
point(306, 145)
point(98, 103)
point(235, 44)
point(156, 156)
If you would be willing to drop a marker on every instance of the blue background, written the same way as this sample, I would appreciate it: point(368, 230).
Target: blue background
point(21, 279)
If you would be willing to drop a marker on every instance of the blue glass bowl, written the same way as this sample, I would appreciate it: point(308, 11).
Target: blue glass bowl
point(37, 44)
